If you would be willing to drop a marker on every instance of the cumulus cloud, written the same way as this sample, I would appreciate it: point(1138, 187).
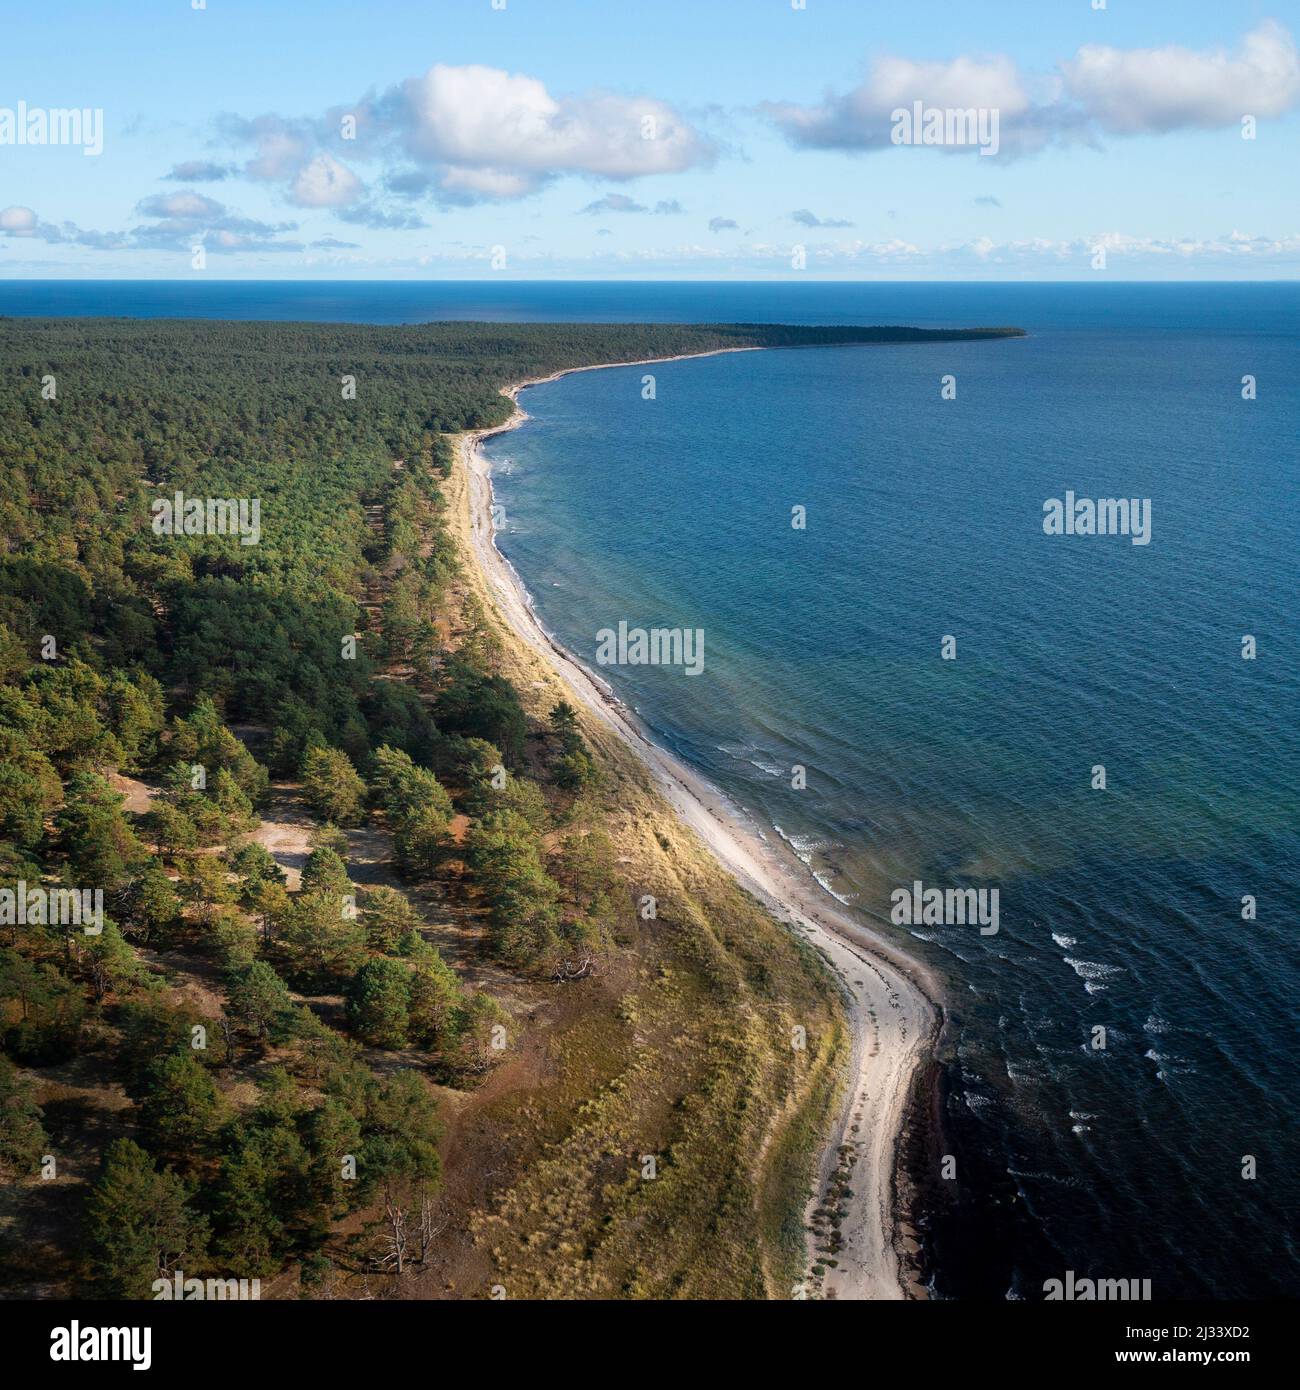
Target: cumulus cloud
point(199, 171)
point(325, 183)
point(24, 223)
point(384, 219)
point(282, 146)
point(186, 204)
point(1133, 91)
point(18, 221)
point(861, 119)
point(620, 202)
point(499, 134)
point(186, 218)
point(464, 135)
point(615, 202)
point(810, 219)
point(1101, 90)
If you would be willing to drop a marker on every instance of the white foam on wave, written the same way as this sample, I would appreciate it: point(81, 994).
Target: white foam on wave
point(1167, 1065)
point(1092, 969)
point(805, 846)
point(1060, 1179)
point(845, 898)
point(1093, 973)
point(1063, 941)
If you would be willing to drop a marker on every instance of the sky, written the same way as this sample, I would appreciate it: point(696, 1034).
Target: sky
point(663, 139)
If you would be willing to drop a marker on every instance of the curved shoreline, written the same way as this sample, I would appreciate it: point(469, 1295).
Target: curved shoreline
point(891, 1000)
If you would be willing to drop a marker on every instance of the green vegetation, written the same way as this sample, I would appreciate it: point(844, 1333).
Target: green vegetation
point(263, 1061)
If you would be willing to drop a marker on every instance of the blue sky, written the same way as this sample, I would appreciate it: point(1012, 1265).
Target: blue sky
point(677, 139)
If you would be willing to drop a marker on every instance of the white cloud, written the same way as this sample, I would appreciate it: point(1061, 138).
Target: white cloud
point(468, 184)
point(186, 204)
point(282, 149)
point(513, 135)
point(1160, 89)
point(18, 221)
point(463, 135)
point(23, 222)
point(325, 183)
point(861, 118)
point(199, 171)
point(1123, 249)
point(807, 218)
point(1101, 89)
point(620, 202)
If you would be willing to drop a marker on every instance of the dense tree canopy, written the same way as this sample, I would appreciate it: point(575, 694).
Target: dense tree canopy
point(159, 688)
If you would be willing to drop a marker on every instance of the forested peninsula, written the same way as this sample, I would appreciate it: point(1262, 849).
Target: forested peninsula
point(361, 996)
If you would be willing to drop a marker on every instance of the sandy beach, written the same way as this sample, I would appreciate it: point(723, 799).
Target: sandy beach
point(889, 999)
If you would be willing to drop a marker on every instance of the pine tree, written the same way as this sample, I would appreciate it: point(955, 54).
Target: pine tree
point(138, 1226)
point(22, 1137)
point(259, 999)
point(332, 787)
point(181, 1111)
point(378, 1002)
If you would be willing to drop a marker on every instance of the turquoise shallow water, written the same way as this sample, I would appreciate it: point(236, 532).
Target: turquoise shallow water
point(1119, 907)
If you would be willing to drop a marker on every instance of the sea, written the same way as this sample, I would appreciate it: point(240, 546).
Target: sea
point(907, 678)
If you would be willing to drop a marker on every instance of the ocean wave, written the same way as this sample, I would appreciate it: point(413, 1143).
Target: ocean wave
point(1063, 941)
point(1040, 1176)
point(1092, 969)
point(805, 846)
point(824, 882)
point(1093, 973)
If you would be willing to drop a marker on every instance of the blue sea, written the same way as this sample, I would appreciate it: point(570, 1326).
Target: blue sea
point(1121, 909)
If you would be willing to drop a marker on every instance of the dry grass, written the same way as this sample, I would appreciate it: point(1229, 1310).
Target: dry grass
point(682, 1051)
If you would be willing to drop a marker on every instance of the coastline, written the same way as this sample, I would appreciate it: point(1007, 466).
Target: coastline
point(890, 1000)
